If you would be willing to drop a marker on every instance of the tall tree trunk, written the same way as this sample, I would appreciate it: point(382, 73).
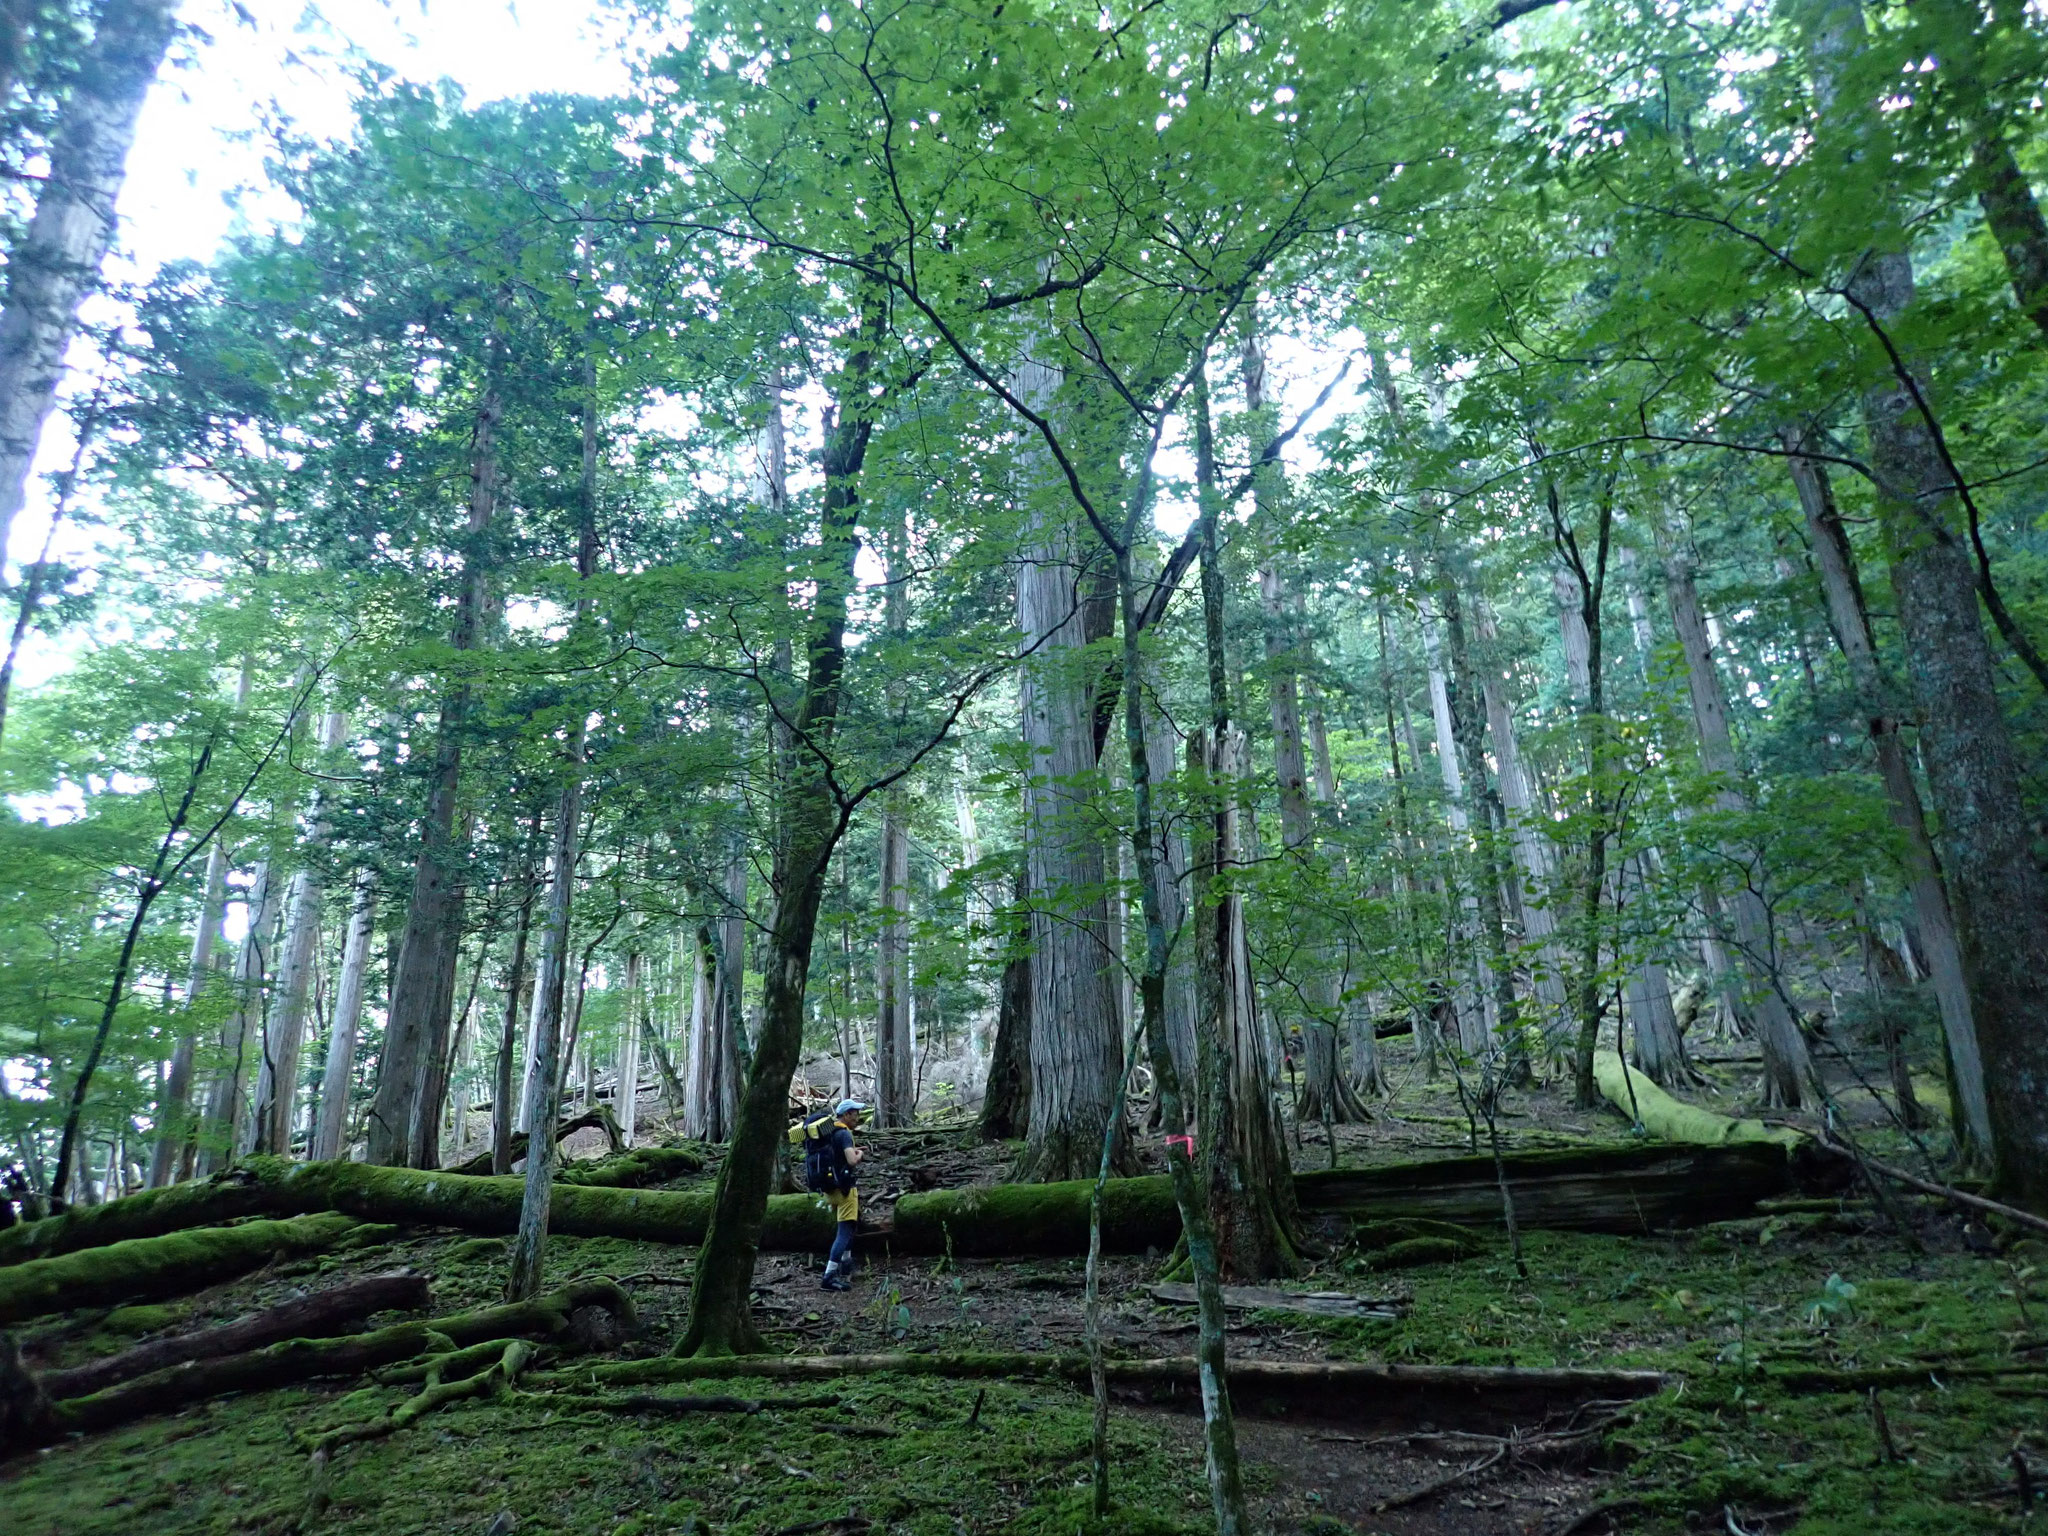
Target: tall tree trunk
point(2000, 896)
point(174, 1133)
point(1472, 1007)
point(227, 1095)
point(2013, 216)
point(529, 1243)
point(1226, 1485)
point(58, 258)
point(733, 1048)
point(626, 1089)
point(1244, 1158)
point(1180, 1003)
point(1467, 734)
point(503, 1111)
point(712, 1019)
point(416, 1027)
point(895, 1087)
point(1076, 1055)
point(895, 1066)
point(1787, 1065)
point(810, 821)
point(1006, 1100)
point(1248, 1187)
point(551, 988)
point(1936, 922)
point(1534, 862)
point(284, 1032)
point(423, 1137)
point(330, 1130)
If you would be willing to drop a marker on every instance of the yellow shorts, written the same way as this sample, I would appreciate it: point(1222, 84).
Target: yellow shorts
point(845, 1203)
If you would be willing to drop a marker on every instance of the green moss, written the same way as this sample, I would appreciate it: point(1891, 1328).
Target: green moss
point(1073, 1514)
point(1673, 1119)
point(1370, 1236)
point(478, 1250)
point(637, 1169)
point(238, 1465)
point(1411, 1252)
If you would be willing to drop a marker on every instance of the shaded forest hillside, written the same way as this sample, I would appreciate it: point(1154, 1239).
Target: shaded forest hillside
point(1348, 701)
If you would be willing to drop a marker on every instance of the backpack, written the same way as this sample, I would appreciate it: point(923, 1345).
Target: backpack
point(821, 1172)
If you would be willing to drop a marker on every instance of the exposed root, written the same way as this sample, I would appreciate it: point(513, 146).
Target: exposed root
point(511, 1357)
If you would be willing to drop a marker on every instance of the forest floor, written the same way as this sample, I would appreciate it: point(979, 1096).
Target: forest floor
point(1958, 1314)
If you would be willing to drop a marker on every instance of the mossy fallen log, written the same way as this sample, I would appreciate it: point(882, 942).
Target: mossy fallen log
point(298, 1360)
point(1593, 1189)
point(1673, 1119)
point(1446, 1395)
point(151, 1213)
point(319, 1315)
point(638, 1169)
point(273, 1187)
point(1600, 1189)
point(148, 1268)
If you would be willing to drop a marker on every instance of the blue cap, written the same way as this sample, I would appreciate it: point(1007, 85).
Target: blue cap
point(850, 1107)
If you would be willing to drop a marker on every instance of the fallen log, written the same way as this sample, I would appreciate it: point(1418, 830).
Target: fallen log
point(1598, 1189)
point(1260, 1298)
point(297, 1360)
point(150, 1268)
point(1400, 1395)
point(274, 1187)
point(1595, 1189)
point(1673, 1119)
point(597, 1118)
point(1948, 1192)
point(320, 1315)
point(637, 1169)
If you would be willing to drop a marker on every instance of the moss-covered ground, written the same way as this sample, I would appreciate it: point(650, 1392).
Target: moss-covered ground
point(1948, 1320)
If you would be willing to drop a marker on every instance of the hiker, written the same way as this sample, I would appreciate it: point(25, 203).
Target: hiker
point(832, 1169)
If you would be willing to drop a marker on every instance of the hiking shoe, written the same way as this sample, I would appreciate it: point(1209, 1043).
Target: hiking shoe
point(834, 1283)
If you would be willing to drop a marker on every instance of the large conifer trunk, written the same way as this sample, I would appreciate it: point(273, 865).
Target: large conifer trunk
point(895, 1070)
point(422, 990)
point(1076, 1057)
point(1006, 1097)
point(2001, 899)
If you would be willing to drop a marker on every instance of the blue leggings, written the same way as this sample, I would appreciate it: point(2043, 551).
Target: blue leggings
point(842, 1246)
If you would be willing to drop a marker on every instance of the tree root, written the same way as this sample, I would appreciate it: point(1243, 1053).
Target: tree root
point(297, 1360)
point(655, 1403)
point(1544, 1445)
point(511, 1357)
point(320, 1315)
